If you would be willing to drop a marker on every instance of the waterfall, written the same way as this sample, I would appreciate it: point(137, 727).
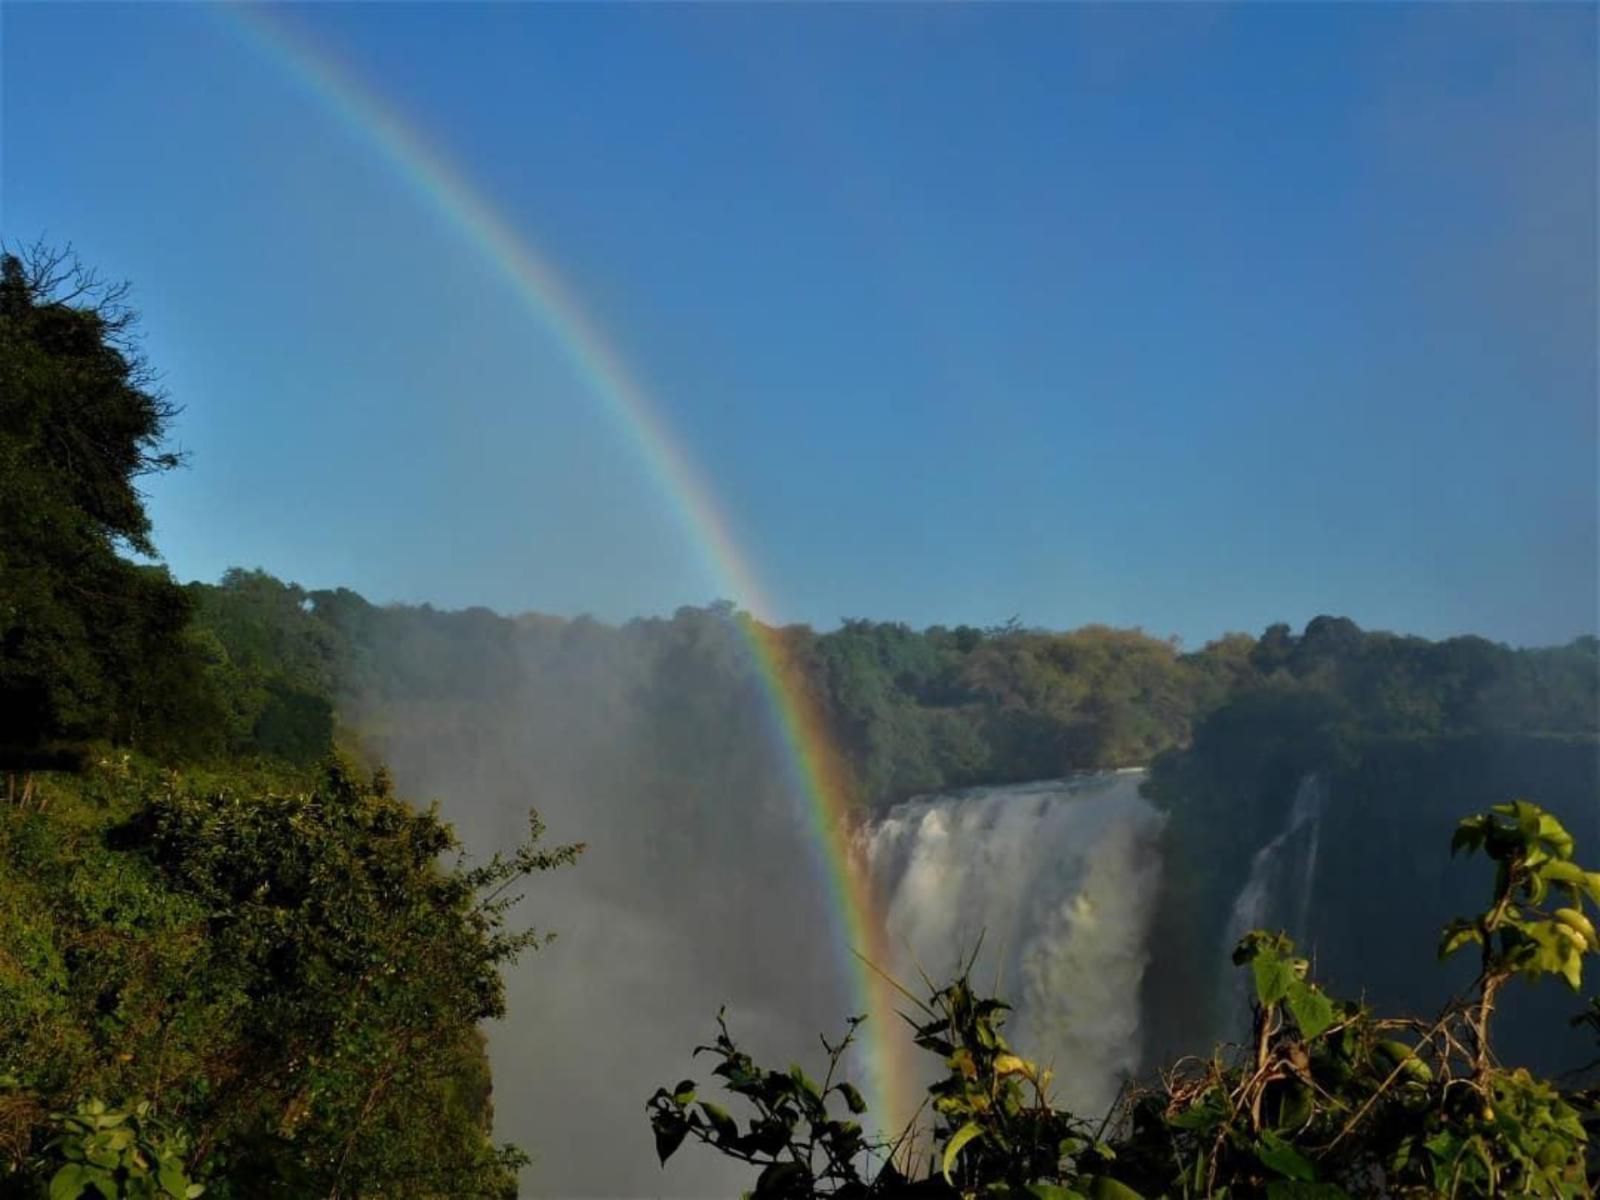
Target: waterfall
point(1278, 893)
point(1059, 878)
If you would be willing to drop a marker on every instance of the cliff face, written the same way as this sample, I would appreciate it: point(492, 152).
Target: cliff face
point(1371, 881)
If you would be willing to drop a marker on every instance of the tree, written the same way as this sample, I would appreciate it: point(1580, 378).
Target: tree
point(82, 628)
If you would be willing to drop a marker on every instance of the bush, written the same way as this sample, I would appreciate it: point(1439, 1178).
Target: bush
point(258, 988)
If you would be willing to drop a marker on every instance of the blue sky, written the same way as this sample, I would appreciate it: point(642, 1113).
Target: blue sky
point(1190, 318)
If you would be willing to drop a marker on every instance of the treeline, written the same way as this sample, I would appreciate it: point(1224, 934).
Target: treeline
point(912, 711)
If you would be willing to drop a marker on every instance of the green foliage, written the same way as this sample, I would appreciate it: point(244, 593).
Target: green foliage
point(1521, 933)
point(280, 968)
point(1325, 1100)
point(797, 1138)
point(994, 1128)
point(275, 665)
point(119, 1155)
point(91, 644)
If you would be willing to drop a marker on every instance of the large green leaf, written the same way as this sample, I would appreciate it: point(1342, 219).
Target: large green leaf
point(1294, 1189)
point(1273, 975)
point(1574, 877)
point(783, 1181)
point(1282, 1157)
point(173, 1180)
point(68, 1183)
point(1052, 1191)
point(670, 1130)
point(724, 1124)
point(101, 1154)
point(1312, 1010)
point(1103, 1187)
point(1555, 833)
point(1207, 1115)
point(957, 1140)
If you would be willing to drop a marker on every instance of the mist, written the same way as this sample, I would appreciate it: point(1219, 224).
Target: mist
point(1106, 914)
point(651, 745)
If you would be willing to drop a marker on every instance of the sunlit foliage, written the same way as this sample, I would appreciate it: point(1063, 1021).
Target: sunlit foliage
point(283, 972)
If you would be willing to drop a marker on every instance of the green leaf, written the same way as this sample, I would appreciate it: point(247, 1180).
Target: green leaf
point(1468, 836)
point(768, 1136)
point(1273, 975)
point(1052, 1191)
point(1312, 1010)
point(727, 1128)
point(1456, 935)
point(1295, 1107)
point(173, 1180)
point(670, 1130)
point(69, 1182)
point(1572, 970)
point(1282, 1157)
point(1103, 1187)
point(101, 1154)
point(1574, 878)
point(852, 1098)
point(805, 1082)
point(957, 1140)
point(1200, 1116)
point(1555, 833)
point(783, 1180)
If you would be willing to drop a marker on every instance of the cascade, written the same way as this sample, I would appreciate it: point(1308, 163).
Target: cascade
point(1059, 879)
point(1277, 894)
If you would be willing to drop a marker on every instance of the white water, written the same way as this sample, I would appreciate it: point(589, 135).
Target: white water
point(1060, 880)
point(1277, 895)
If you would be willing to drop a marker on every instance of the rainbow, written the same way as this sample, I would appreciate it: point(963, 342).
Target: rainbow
point(797, 719)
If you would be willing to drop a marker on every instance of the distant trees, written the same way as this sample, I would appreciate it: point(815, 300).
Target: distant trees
point(275, 668)
point(910, 711)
